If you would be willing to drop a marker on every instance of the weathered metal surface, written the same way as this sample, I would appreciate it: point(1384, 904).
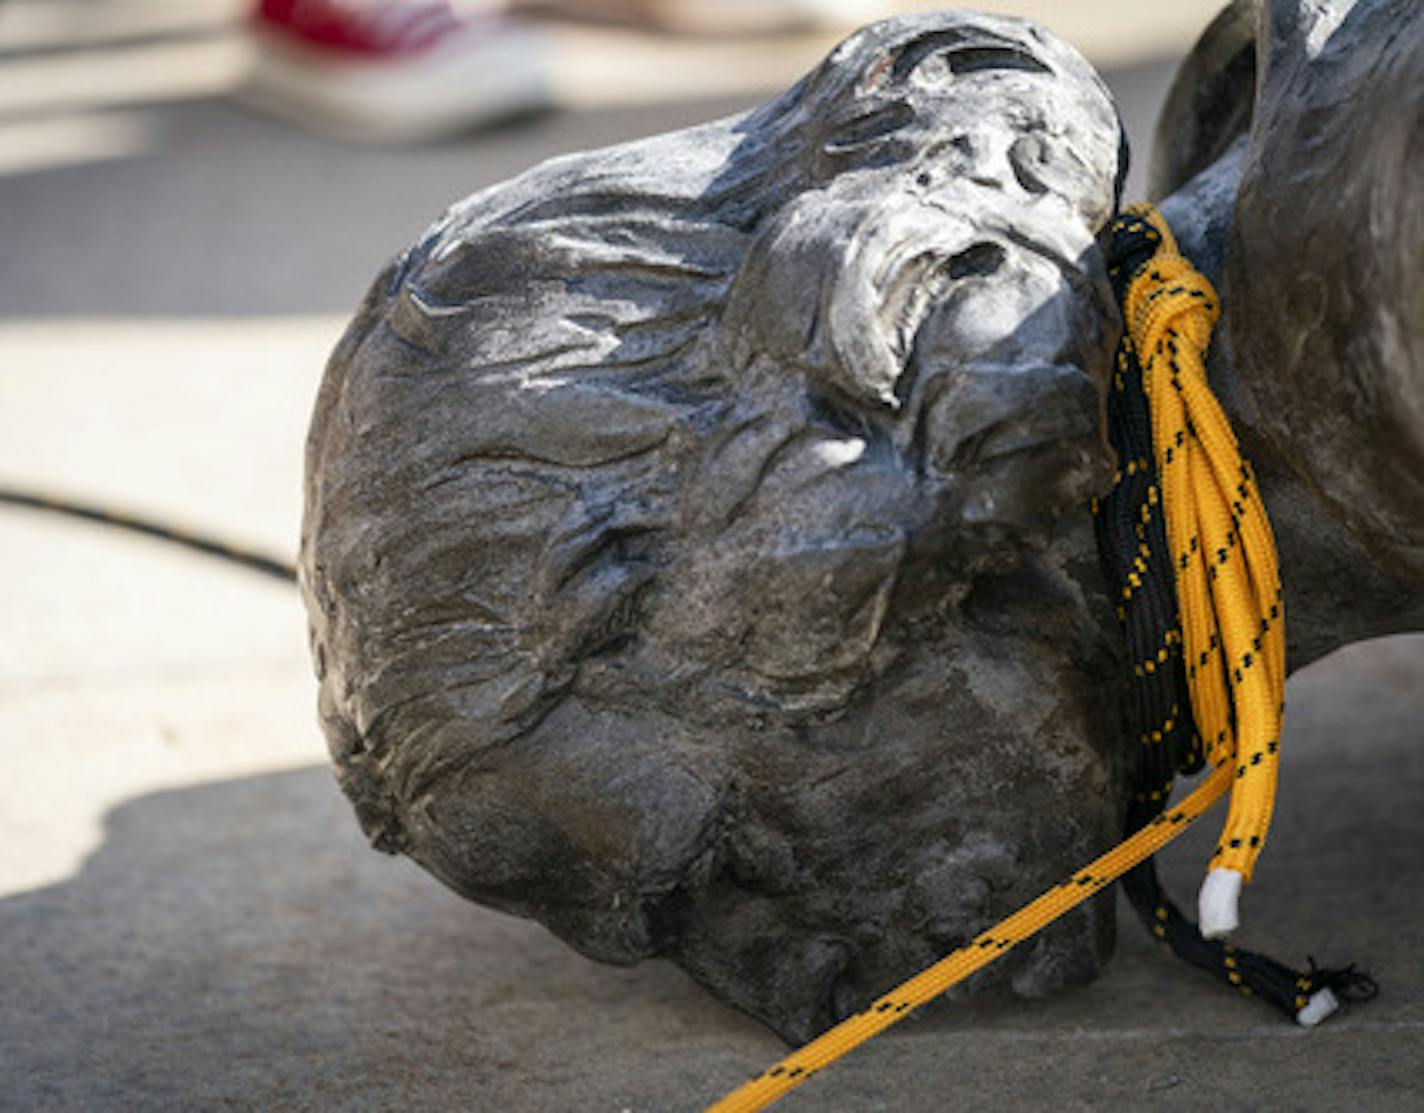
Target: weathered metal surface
point(1301, 124)
point(684, 544)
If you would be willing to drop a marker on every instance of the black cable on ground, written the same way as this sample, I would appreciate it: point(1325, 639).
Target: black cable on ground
point(214, 547)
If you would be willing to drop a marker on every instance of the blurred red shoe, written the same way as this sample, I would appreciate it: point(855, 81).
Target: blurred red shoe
point(402, 70)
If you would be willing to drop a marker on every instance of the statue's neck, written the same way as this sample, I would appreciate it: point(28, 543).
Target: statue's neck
point(1337, 592)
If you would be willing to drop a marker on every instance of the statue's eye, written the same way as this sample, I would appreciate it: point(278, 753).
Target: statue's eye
point(861, 131)
point(867, 140)
point(969, 59)
point(956, 52)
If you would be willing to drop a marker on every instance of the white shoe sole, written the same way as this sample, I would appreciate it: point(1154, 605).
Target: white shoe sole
point(453, 87)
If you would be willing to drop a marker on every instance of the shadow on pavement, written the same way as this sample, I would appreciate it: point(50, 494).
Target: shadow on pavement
point(238, 945)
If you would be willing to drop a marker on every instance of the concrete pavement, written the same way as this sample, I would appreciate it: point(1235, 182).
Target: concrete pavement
point(189, 918)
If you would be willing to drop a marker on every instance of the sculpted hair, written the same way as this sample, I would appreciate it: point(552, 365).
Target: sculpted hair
point(506, 445)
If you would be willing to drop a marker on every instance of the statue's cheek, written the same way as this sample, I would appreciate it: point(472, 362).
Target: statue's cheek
point(820, 605)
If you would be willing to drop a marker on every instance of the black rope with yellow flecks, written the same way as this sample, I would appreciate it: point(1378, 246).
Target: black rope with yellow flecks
point(1187, 548)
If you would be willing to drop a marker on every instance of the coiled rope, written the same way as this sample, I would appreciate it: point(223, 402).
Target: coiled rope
point(1186, 545)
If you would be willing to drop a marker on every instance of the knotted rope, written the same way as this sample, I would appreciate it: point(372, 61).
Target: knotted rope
point(1189, 559)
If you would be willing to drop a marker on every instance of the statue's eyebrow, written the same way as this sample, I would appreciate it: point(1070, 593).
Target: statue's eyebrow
point(970, 50)
point(862, 130)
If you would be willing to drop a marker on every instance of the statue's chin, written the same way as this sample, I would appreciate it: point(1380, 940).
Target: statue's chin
point(801, 982)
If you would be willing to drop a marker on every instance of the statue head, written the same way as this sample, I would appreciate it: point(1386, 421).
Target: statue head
point(685, 543)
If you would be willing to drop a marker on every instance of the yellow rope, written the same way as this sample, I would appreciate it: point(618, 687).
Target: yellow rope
point(1228, 591)
point(793, 1070)
point(1228, 579)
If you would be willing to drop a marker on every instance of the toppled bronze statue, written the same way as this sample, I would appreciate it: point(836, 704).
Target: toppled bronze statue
point(696, 545)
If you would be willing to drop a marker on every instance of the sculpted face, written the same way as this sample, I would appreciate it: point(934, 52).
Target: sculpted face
point(918, 334)
point(686, 544)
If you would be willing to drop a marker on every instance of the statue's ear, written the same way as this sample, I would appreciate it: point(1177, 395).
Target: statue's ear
point(1210, 103)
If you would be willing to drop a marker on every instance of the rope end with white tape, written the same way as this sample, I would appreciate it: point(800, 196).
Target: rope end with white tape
point(1218, 911)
